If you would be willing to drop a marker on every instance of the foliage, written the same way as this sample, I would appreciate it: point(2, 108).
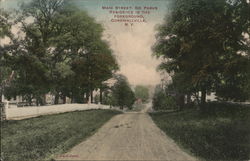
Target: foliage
point(181, 83)
point(62, 52)
point(5, 32)
point(142, 92)
point(162, 101)
point(5, 25)
point(204, 40)
point(247, 83)
point(122, 93)
point(222, 133)
point(97, 98)
point(109, 99)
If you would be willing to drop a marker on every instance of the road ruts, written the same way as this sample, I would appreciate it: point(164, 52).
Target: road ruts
point(128, 136)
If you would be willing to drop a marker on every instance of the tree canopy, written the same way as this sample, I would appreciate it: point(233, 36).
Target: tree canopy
point(122, 93)
point(205, 41)
point(142, 92)
point(62, 52)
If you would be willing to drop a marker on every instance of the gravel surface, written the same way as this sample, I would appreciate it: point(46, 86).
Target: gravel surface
point(128, 136)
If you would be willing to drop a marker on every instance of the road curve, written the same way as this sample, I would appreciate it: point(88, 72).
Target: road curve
point(128, 136)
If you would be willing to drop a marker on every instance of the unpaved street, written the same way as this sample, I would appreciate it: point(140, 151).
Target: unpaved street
point(129, 136)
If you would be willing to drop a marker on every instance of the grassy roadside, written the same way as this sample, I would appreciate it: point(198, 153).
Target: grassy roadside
point(41, 137)
point(222, 133)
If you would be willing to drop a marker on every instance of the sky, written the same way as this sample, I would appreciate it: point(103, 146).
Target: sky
point(131, 44)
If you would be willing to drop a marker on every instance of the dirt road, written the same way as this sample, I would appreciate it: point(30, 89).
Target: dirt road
point(129, 136)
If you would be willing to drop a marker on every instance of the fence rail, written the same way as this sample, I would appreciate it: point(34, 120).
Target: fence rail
point(32, 111)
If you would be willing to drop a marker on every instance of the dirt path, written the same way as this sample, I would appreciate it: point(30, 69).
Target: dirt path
point(129, 136)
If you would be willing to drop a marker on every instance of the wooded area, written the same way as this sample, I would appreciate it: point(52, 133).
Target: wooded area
point(205, 47)
point(59, 49)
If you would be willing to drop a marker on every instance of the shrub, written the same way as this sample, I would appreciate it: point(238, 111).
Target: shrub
point(162, 101)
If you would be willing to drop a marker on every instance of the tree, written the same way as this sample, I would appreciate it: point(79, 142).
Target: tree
point(92, 60)
point(202, 39)
point(142, 92)
point(181, 86)
point(5, 72)
point(32, 56)
point(122, 93)
point(4, 24)
point(163, 101)
point(62, 52)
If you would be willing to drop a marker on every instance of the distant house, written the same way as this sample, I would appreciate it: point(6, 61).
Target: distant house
point(19, 101)
point(211, 96)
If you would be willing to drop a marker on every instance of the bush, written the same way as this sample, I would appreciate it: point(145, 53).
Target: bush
point(161, 101)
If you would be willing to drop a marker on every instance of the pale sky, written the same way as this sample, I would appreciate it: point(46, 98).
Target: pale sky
point(131, 45)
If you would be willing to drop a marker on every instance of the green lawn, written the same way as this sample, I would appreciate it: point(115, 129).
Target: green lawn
point(221, 133)
point(43, 137)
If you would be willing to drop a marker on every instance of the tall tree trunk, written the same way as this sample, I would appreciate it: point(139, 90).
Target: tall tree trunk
point(188, 98)
point(203, 99)
point(203, 96)
point(64, 99)
point(29, 99)
point(43, 99)
point(37, 101)
point(87, 97)
point(91, 96)
point(56, 99)
point(1, 93)
point(73, 97)
point(101, 95)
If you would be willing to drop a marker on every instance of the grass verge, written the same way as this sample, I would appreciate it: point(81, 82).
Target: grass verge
point(221, 133)
point(42, 137)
